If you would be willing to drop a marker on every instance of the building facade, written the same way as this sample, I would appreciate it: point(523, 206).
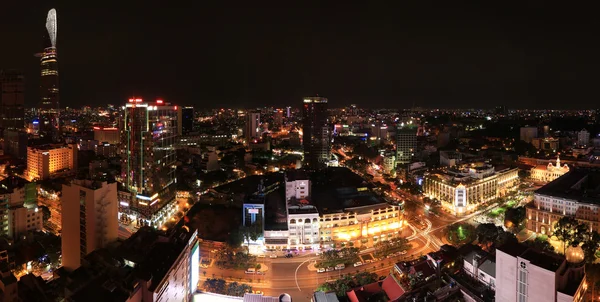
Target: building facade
point(527, 134)
point(12, 100)
point(550, 172)
point(406, 144)
point(148, 135)
point(252, 130)
point(48, 160)
point(461, 190)
point(315, 132)
point(89, 219)
point(187, 120)
point(569, 195)
point(19, 212)
point(524, 275)
point(583, 138)
point(109, 135)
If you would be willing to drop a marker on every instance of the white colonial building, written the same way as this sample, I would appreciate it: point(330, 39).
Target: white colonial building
point(461, 189)
point(550, 172)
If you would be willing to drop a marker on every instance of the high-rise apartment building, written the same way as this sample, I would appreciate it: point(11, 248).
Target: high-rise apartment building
point(109, 135)
point(149, 132)
point(406, 143)
point(315, 132)
point(89, 219)
point(187, 120)
point(44, 161)
point(527, 134)
point(19, 212)
point(12, 99)
point(49, 111)
point(583, 138)
point(252, 130)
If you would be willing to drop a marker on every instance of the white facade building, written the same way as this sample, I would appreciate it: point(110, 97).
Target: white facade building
point(389, 163)
point(44, 161)
point(89, 219)
point(525, 275)
point(461, 190)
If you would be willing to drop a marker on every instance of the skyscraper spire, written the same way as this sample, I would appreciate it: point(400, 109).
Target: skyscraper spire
point(52, 27)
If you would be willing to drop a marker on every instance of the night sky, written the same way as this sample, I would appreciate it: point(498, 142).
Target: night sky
point(216, 53)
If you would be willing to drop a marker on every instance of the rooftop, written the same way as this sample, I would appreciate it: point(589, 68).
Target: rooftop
point(339, 189)
point(582, 185)
point(513, 248)
point(543, 260)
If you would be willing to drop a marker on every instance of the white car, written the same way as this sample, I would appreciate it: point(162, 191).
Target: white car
point(403, 252)
point(272, 256)
point(321, 270)
point(329, 269)
point(261, 256)
point(358, 264)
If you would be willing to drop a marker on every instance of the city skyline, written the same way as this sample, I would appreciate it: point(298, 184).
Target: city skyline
point(428, 56)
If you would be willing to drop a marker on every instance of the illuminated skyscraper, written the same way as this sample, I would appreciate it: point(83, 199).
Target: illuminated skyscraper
point(252, 126)
point(12, 99)
point(406, 143)
point(149, 131)
point(49, 109)
point(316, 134)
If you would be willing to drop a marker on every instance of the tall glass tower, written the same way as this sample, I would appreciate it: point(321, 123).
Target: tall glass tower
point(49, 110)
point(316, 135)
point(149, 130)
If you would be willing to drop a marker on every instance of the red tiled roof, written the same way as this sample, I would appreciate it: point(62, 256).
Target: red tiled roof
point(361, 293)
point(392, 289)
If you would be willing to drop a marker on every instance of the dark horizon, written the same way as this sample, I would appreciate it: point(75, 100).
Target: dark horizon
point(210, 55)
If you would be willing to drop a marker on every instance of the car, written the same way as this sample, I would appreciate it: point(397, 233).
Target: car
point(358, 264)
point(250, 271)
point(321, 270)
point(258, 292)
point(272, 256)
point(340, 266)
point(369, 260)
point(403, 252)
point(329, 269)
point(261, 256)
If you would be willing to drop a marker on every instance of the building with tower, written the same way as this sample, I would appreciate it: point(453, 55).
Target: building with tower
point(148, 134)
point(89, 219)
point(49, 110)
point(550, 172)
point(316, 137)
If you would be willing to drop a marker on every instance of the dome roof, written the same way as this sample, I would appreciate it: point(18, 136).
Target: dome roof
point(574, 254)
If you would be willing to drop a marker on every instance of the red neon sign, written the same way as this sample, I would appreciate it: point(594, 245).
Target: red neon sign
point(159, 101)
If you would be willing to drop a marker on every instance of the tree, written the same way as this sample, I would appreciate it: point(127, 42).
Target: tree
point(486, 233)
point(591, 243)
point(514, 218)
point(540, 244)
point(570, 231)
point(215, 285)
point(46, 213)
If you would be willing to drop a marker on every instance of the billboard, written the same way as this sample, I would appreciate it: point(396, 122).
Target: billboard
point(253, 211)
